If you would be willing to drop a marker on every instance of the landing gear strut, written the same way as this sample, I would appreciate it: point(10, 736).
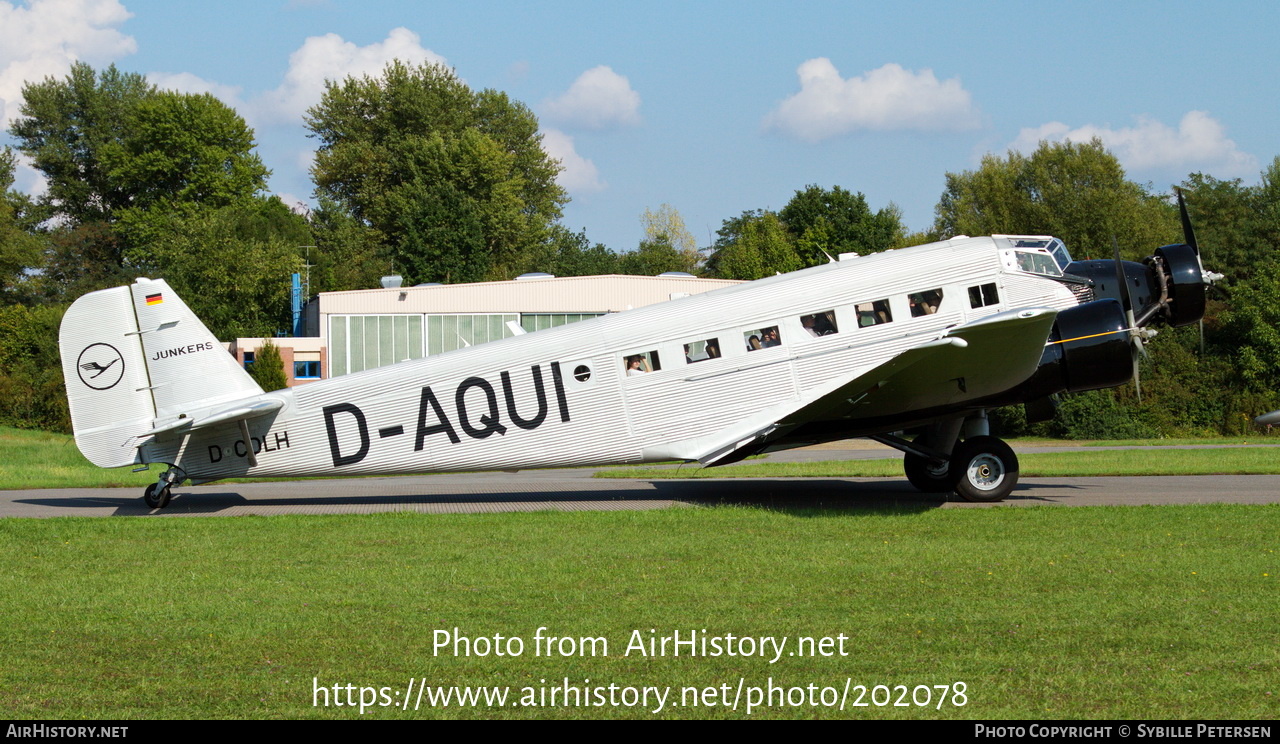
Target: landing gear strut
point(158, 494)
point(979, 468)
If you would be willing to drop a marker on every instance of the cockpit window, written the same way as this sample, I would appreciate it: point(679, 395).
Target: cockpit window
point(1055, 247)
point(1038, 263)
point(1060, 255)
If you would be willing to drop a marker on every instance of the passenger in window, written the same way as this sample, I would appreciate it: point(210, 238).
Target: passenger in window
point(925, 303)
point(637, 365)
point(819, 324)
point(713, 349)
point(883, 315)
point(770, 338)
point(753, 343)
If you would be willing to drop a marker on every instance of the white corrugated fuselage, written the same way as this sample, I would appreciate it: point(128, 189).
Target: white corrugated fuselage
point(562, 397)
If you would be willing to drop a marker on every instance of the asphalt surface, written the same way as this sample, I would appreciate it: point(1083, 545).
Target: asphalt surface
point(576, 490)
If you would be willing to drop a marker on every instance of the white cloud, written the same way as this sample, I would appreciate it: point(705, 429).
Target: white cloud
point(599, 99)
point(1200, 141)
point(42, 39)
point(886, 98)
point(580, 175)
point(330, 57)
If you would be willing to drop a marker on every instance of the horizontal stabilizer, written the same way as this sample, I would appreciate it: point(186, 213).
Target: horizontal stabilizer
point(235, 412)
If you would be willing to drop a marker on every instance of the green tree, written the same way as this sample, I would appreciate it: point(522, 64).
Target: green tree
point(232, 271)
point(838, 221)
point(655, 256)
point(66, 126)
point(665, 227)
point(19, 249)
point(268, 368)
point(32, 395)
point(567, 253)
point(121, 160)
point(454, 182)
point(1077, 192)
point(348, 254)
point(753, 245)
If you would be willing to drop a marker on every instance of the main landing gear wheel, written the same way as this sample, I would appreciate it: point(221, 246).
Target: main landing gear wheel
point(925, 477)
point(984, 469)
point(156, 496)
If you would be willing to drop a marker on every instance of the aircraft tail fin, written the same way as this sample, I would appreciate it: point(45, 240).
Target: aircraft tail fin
point(133, 356)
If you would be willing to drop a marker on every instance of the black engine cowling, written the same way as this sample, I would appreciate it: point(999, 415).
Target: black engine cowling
point(1186, 286)
point(1088, 349)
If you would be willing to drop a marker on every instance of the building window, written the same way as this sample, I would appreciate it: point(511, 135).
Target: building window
point(541, 321)
point(306, 370)
point(360, 342)
point(248, 359)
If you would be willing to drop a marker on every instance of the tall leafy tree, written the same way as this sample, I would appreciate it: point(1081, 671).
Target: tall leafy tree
point(665, 227)
point(836, 220)
point(567, 253)
point(121, 158)
point(67, 125)
point(1077, 192)
point(754, 245)
point(19, 248)
point(454, 181)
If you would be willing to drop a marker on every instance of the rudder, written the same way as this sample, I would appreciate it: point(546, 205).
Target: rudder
point(134, 357)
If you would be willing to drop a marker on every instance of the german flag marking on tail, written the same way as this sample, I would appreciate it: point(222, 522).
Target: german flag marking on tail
point(155, 299)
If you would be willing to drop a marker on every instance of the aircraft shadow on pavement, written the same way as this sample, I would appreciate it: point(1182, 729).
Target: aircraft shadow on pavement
point(802, 497)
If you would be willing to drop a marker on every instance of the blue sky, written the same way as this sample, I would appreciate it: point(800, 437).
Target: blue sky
point(719, 107)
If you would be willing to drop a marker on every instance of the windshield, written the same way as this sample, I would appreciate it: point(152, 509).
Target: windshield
point(1055, 247)
point(1038, 263)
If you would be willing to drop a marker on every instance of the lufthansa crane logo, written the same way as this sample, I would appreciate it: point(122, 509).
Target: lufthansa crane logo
point(100, 366)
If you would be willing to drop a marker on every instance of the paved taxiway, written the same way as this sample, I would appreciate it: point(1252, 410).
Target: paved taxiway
point(571, 490)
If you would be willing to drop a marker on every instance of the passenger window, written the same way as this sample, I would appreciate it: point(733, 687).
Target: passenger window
point(762, 338)
point(925, 303)
point(874, 313)
point(701, 351)
point(820, 324)
point(641, 363)
point(983, 296)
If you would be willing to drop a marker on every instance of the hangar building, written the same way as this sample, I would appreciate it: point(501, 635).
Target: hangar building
point(356, 330)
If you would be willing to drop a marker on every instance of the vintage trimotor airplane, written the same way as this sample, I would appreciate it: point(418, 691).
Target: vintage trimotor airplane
point(909, 347)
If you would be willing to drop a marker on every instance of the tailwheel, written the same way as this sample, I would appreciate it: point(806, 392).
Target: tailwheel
point(156, 496)
point(925, 476)
point(983, 468)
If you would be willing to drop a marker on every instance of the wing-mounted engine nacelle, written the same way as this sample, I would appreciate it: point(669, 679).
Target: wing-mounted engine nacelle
point(1088, 349)
point(1167, 287)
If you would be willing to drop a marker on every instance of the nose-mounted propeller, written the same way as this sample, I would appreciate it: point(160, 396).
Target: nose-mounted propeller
point(1138, 336)
point(1167, 287)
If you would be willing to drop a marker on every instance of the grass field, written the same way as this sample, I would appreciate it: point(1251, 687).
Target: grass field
point(1104, 612)
point(1222, 461)
point(32, 459)
point(40, 459)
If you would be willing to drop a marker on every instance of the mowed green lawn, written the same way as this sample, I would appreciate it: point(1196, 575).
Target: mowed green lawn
point(1100, 612)
point(41, 459)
